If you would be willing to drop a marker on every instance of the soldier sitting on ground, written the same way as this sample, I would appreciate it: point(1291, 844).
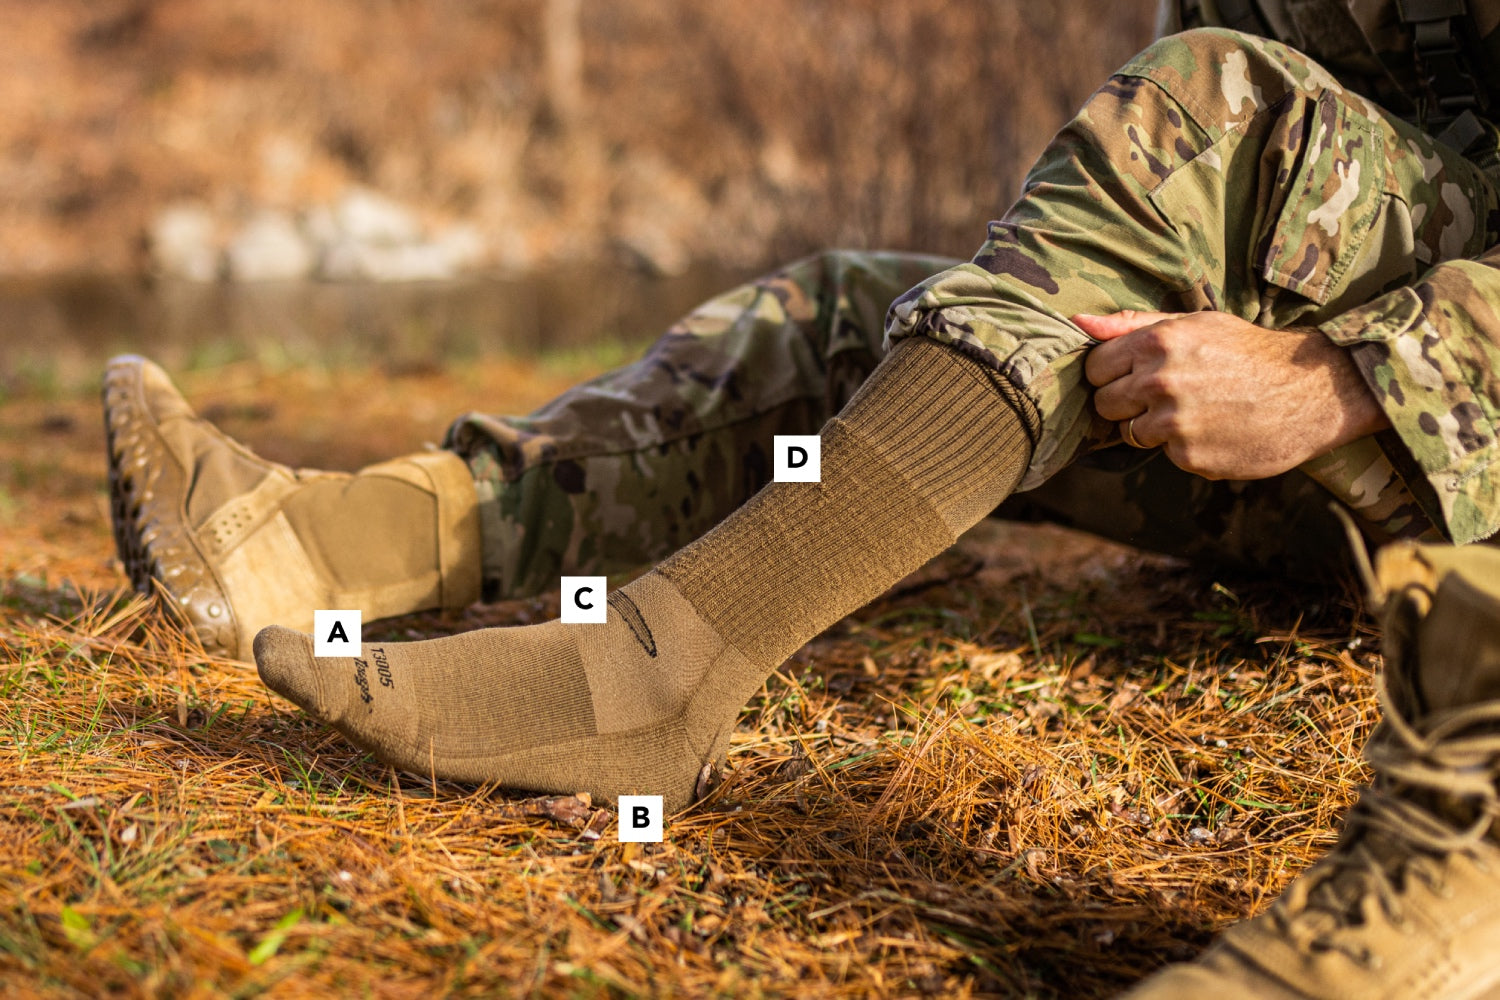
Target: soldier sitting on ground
point(1232, 287)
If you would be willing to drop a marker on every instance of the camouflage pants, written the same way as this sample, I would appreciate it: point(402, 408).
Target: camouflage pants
point(1136, 205)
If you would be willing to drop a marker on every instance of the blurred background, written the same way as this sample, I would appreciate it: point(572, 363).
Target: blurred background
point(419, 182)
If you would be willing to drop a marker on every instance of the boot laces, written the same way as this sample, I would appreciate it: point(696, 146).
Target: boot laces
point(1434, 794)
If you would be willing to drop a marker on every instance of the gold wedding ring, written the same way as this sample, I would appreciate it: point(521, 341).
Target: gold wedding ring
point(1128, 432)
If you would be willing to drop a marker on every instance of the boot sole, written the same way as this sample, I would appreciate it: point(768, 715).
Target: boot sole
point(152, 536)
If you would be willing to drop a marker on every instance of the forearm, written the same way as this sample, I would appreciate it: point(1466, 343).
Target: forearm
point(1352, 411)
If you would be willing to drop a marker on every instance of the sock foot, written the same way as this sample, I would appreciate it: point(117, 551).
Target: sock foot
point(641, 703)
point(638, 705)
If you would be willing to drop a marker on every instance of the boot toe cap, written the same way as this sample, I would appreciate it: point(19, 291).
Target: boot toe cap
point(148, 489)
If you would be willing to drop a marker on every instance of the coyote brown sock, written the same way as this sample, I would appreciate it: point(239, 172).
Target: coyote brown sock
point(930, 444)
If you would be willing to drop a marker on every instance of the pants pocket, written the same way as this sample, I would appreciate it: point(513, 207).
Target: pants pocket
point(1323, 157)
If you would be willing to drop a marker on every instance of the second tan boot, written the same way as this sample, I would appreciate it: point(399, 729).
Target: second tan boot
point(1407, 904)
point(238, 543)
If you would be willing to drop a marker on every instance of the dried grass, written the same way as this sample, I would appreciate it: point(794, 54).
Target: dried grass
point(1042, 766)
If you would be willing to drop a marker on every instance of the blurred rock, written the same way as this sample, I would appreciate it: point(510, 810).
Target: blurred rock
point(368, 237)
point(426, 261)
point(364, 236)
point(184, 244)
point(321, 228)
point(653, 250)
point(367, 217)
point(269, 248)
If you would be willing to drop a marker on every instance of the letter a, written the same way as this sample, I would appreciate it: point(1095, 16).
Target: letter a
point(337, 633)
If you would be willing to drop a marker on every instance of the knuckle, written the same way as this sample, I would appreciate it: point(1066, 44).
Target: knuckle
point(1156, 338)
point(1191, 456)
point(1158, 383)
point(1109, 410)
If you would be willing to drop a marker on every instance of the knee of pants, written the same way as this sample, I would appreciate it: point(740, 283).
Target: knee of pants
point(1104, 222)
point(1163, 194)
point(1223, 77)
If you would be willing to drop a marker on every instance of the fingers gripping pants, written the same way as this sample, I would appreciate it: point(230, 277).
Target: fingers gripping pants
point(1214, 171)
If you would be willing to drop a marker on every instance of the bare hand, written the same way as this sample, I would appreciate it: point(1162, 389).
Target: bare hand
point(1225, 398)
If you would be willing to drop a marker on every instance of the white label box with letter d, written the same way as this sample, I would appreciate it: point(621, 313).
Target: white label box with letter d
point(797, 458)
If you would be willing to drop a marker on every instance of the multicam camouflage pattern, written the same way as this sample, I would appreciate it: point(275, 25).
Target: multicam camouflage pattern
point(1223, 171)
point(623, 470)
point(1362, 42)
point(1431, 354)
point(1282, 525)
point(1215, 171)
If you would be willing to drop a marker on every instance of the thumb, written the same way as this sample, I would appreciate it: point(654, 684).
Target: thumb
point(1117, 324)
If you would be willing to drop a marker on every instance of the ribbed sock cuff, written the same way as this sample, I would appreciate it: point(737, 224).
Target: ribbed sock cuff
point(927, 447)
point(956, 430)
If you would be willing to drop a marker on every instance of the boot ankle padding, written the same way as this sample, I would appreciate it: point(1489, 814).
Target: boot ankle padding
point(924, 451)
point(1458, 648)
point(396, 536)
point(1441, 625)
point(459, 548)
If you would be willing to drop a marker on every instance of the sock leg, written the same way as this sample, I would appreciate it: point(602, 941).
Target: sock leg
point(932, 443)
point(621, 471)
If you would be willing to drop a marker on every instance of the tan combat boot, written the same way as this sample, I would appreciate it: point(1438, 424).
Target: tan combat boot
point(239, 543)
point(1407, 904)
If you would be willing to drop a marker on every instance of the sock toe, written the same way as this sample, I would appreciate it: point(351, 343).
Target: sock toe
point(285, 662)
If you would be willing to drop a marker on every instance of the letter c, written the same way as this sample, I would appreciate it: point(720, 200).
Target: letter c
point(578, 596)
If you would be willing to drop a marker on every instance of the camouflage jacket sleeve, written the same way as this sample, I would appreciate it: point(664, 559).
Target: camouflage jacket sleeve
point(1431, 354)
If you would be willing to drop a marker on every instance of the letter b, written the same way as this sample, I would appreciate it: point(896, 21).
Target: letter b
point(640, 819)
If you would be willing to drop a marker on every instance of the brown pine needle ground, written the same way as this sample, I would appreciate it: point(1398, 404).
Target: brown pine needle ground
point(1042, 766)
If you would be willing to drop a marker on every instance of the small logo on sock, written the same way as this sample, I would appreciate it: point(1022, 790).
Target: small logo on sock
point(362, 681)
point(632, 617)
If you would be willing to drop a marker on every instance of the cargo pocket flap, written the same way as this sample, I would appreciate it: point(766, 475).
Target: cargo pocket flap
point(1332, 198)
